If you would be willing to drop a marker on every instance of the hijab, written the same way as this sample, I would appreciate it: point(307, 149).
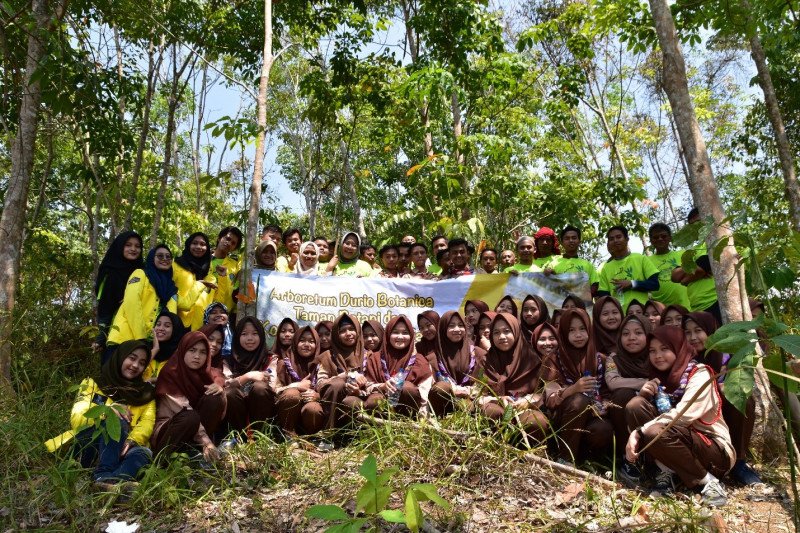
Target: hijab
point(579, 303)
point(606, 339)
point(629, 364)
point(456, 357)
point(424, 346)
point(480, 305)
point(395, 359)
point(207, 330)
point(508, 298)
point(544, 316)
point(119, 388)
point(302, 366)
point(341, 358)
point(114, 272)
point(279, 349)
point(574, 361)
point(545, 232)
point(655, 303)
point(199, 266)
point(298, 266)
point(260, 249)
point(707, 323)
point(378, 327)
point(324, 324)
point(549, 371)
point(674, 338)
point(177, 379)
point(161, 280)
point(514, 372)
point(167, 348)
point(227, 337)
point(679, 308)
point(358, 248)
point(243, 361)
point(634, 302)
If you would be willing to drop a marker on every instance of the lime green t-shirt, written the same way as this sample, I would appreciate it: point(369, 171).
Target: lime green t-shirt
point(357, 269)
point(572, 265)
point(631, 267)
point(519, 267)
point(669, 292)
point(545, 262)
point(703, 292)
point(435, 269)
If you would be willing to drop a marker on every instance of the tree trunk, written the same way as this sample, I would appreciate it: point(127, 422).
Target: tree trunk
point(790, 185)
point(350, 182)
point(455, 107)
point(258, 165)
point(12, 221)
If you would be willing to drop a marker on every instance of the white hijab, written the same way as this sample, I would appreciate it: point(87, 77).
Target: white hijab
point(313, 270)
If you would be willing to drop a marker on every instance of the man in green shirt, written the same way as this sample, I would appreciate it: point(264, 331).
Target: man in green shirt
point(507, 260)
point(569, 262)
point(700, 286)
point(438, 243)
point(525, 249)
point(626, 276)
point(545, 248)
point(665, 261)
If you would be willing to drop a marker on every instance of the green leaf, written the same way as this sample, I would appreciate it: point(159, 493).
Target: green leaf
point(114, 427)
point(327, 512)
point(687, 261)
point(413, 513)
point(731, 343)
point(772, 364)
point(369, 468)
point(427, 491)
point(738, 356)
point(395, 516)
point(790, 343)
point(739, 383)
point(372, 498)
point(351, 526)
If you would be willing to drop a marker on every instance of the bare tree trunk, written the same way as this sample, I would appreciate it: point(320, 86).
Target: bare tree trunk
point(196, 149)
point(121, 152)
point(12, 222)
point(455, 107)
point(258, 165)
point(350, 182)
point(790, 185)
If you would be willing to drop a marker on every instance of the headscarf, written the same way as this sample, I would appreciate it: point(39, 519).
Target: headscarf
point(161, 280)
point(629, 364)
point(199, 266)
point(177, 379)
point(227, 338)
point(302, 366)
point(207, 330)
point(341, 358)
point(260, 249)
point(243, 361)
point(424, 346)
point(575, 361)
point(545, 232)
point(632, 303)
point(707, 323)
point(279, 349)
point(114, 272)
point(515, 372)
point(358, 248)
point(486, 314)
point(298, 267)
point(395, 359)
point(544, 316)
point(456, 357)
point(514, 308)
point(674, 338)
point(655, 303)
point(167, 348)
point(480, 305)
point(549, 363)
point(119, 388)
point(681, 309)
point(324, 324)
point(606, 339)
point(579, 303)
point(378, 327)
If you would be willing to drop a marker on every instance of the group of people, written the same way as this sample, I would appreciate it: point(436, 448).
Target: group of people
point(182, 373)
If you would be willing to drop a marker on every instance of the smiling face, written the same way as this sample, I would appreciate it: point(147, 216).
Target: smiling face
point(617, 243)
point(525, 250)
point(307, 345)
point(502, 336)
point(459, 256)
point(695, 335)
point(632, 337)
point(530, 312)
point(349, 247)
point(195, 356)
point(547, 343)
point(248, 338)
point(163, 328)
point(268, 256)
point(198, 247)
point(134, 364)
point(570, 242)
point(347, 334)
point(293, 242)
point(456, 330)
point(309, 257)
point(132, 249)
point(371, 338)
point(400, 337)
point(610, 317)
point(426, 328)
point(577, 336)
point(661, 356)
point(215, 341)
point(324, 251)
point(162, 259)
point(218, 316)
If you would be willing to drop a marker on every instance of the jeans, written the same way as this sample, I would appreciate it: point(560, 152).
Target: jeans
point(110, 466)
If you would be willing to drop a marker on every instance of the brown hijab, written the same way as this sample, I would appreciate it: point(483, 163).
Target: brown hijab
point(515, 372)
point(291, 360)
point(629, 364)
point(279, 349)
point(424, 346)
point(378, 328)
point(514, 308)
point(679, 308)
point(707, 323)
point(395, 359)
point(207, 330)
point(579, 303)
point(674, 338)
point(549, 364)
point(460, 360)
point(606, 339)
point(341, 358)
point(544, 316)
point(241, 360)
point(573, 362)
point(327, 324)
point(177, 379)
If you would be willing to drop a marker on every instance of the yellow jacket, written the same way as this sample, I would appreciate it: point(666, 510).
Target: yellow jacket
point(153, 369)
point(143, 417)
point(225, 287)
point(193, 296)
point(139, 310)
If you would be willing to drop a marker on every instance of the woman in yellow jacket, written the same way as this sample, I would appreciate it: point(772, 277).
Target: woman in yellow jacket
point(197, 284)
point(119, 386)
point(148, 292)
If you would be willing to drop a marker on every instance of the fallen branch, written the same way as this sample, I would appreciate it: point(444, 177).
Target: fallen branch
point(364, 417)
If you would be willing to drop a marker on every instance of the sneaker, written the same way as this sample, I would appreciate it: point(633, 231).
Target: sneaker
point(714, 494)
point(629, 474)
point(742, 473)
point(664, 485)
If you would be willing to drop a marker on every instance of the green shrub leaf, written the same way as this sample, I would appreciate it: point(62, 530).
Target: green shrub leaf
point(327, 512)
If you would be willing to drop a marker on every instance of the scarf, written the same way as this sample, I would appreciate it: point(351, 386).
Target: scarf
point(342, 259)
point(424, 346)
point(260, 249)
point(606, 339)
point(384, 364)
point(177, 379)
point(243, 361)
point(113, 274)
point(378, 328)
point(199, 266)
point(544, 316)
point(227, 340)
point(573, 362)
point(119, 388)
point(549, 371)
point(207, 330)
point(298, 266)
point(458, 361)
point(679, 308)
point(579, 303)
point(633, 303)
point(341, 358)
point(633, 365)
point(328, 324)
point(716, 360)
point(514, 308)
point(673, 337)
point(279, 349)
point(167, 348)
point(658, 306)
point(161, 280)
point(292, 368)
point(545, 232)
point(514, 372)
point(482, 307)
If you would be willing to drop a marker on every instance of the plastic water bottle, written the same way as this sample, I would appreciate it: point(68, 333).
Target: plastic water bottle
point(351, 377)
point(439, 376)
point(399, 379)
point(662, 400)
point(598, 400)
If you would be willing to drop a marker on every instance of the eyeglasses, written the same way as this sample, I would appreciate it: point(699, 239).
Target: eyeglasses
point(164, 257)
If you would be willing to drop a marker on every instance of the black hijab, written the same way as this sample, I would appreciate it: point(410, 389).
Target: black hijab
point(161, 280)
point(168, 347)
point(114, 273)
point(119, 388)
point(199, 266)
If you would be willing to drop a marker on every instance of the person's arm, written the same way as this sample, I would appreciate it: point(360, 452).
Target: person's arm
point(179, 403)
point(647, 285)
point(614, 381)
point(131, 307)
point(83, 402)
point(142, 429)
point(705, 407)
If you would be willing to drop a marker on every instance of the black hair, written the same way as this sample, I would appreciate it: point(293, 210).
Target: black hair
point(436, 238)
point(403, 245)
point(289, 232)
point(386, 248)
point(419, 245)
point(272, 227)
point(232, 229)
point(659, 226)
point(488, 250)
point(441, 253)
point(695, 212)
point(321, 239)
point(618, 227)
point(364, 247)
point(569, 228)
point(458, 241)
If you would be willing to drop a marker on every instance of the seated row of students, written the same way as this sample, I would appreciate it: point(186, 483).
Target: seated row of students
point(561, 377)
